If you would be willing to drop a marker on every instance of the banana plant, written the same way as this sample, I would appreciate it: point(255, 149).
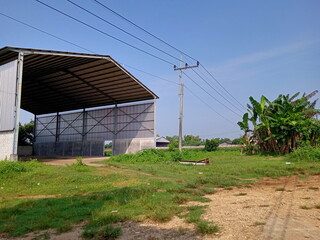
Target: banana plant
point(280, 125)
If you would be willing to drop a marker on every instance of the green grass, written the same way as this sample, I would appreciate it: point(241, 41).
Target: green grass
point(149, 185)
point(306, 153)
point(259, 223)
point(305, 207)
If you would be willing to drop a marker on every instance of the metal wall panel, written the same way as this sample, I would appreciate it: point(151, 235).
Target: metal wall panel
point(72, 133)
point(8, 81)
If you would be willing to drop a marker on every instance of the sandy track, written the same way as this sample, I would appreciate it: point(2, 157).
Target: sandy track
point(90, 161)
point(282, 209)
point(271, 209)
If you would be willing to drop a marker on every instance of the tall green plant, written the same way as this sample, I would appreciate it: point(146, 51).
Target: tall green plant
point(281, 125)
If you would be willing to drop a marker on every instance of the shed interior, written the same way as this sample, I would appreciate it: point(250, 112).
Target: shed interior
point(55, 81)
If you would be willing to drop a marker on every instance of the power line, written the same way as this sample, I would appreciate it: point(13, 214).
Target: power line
point(210, 94)
point(38, 29)
point(215, 90)
point(152, 75)
point(208, 105)
point(144, 30)
point(223, 87)
point(76, 45)
point(104, 33)
point(88, 50)
point(121, 29)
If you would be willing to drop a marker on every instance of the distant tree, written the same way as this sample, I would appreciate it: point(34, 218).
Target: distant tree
point(108, 145)
point(173, 138)
point(26, 134)
point(190, 140)
point(211, 145)
point(237, 141)
point(222, 140)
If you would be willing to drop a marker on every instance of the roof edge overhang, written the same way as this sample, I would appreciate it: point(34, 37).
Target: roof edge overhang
point(28, 51)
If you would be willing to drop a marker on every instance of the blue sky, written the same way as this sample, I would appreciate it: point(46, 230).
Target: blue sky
point(253, 48)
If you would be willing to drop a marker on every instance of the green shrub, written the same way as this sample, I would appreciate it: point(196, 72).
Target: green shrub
point(107, 153)
point(79, 161)
point(176, 156)
point(173, 146)
point(7, 167)
point(211, 145)
point(157, 156)
point(306, 153)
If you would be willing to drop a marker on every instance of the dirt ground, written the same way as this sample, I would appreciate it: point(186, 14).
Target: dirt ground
point(286, 209)
point(90, 161)
point(273, 209)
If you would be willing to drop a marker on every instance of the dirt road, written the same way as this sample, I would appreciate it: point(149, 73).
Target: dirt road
point(273, 209)
point(286, 209)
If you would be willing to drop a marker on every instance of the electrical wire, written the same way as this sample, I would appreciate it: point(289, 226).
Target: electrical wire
point(144, 30)
point(76, 45)
point(223, 87)
point(228, 120)
point(49, 34)
point(210, 94)
point(150, 74)
point(104, 33)
point(88, 50)
point(215, 89)
point(121, 29)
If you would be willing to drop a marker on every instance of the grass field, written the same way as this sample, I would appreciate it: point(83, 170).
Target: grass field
point(149, 185)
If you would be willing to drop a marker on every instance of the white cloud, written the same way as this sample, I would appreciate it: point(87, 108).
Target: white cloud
point(263, 55)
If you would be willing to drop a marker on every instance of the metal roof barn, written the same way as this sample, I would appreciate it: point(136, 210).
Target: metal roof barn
point(54, 81)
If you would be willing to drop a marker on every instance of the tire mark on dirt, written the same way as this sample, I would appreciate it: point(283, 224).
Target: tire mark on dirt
point(273, 214)
point(287, 218)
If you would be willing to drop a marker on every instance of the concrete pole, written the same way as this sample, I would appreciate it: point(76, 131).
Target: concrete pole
point(181, 106)
point(14, 156)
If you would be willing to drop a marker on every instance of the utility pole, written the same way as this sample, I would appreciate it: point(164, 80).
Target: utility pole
point(181, 96)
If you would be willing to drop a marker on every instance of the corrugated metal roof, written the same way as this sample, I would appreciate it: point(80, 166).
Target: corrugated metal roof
point(162, 140)
point(55, 81)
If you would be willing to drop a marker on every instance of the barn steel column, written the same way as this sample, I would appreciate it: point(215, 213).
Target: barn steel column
point(155, 121)
point(57, 133)
point(34, 134)
point(14, 156)
point(84, 124)
point(115, 127)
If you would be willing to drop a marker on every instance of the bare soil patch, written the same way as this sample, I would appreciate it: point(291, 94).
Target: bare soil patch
point(271, 209)
point(90, 161)
point(285, 208)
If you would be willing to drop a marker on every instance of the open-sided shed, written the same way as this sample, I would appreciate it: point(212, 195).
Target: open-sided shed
point(47, 82)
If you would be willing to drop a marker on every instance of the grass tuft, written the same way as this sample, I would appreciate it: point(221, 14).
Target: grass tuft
point(305, 207)
point(241, 194)
point(259, 223)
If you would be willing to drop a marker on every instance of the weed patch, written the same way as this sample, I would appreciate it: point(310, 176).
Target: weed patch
point(305, 207)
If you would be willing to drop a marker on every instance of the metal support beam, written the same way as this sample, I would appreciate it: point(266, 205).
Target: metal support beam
point(84, 124)
point(57, 133)
point(90, 85)
point(14, 157)
point(155, 121)
point(34, 134)
point(115, 127)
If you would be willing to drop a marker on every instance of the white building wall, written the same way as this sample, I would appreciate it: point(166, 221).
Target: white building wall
point(123, 146)
point(6, 145)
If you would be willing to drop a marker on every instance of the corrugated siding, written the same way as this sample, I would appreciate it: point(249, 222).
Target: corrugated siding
point(8, 78)
point(133, 121)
